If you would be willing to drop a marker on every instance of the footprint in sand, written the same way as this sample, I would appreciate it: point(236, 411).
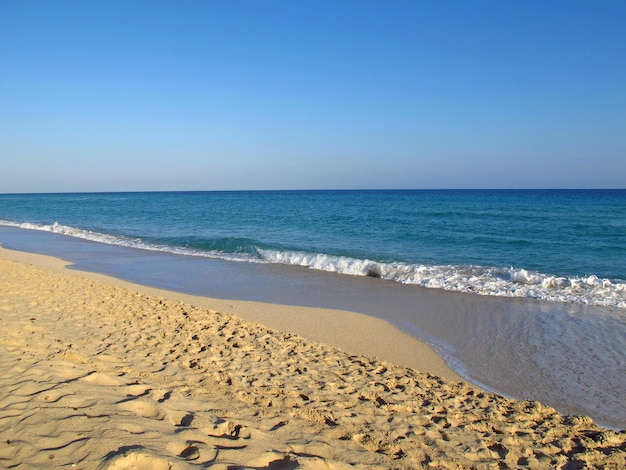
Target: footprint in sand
point(190, 450)
point(228, 430)
point(137, 460)
point(274, 460)
point(136, 390)
point(143, 408)
point(98, 378)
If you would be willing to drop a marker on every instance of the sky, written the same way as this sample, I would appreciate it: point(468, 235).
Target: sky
point(265, 94)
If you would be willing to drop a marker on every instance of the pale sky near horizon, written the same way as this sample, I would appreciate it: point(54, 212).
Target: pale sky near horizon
point(213, 95)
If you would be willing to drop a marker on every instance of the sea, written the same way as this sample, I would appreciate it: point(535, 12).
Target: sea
point(494, 280)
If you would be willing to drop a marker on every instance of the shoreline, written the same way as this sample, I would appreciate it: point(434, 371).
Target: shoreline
point(99, 374)
point(375, 337)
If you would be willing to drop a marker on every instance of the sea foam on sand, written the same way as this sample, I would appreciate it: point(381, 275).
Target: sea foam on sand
point(96, 375)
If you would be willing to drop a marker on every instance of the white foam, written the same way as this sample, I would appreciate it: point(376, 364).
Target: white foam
point(505, 282)
point(125, 241)
point(70, 231)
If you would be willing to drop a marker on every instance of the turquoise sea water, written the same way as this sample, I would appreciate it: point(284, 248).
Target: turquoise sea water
point(549, 268)
point(556, 245)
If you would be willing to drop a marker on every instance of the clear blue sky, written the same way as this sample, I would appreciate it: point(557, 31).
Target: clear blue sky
point(204, 95)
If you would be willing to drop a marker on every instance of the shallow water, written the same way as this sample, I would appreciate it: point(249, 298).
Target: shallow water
point(569, 356)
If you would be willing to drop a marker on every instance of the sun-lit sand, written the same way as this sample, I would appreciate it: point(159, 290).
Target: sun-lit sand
point(97, 373)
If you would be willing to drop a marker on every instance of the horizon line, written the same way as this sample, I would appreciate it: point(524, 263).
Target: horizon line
point(304, 190)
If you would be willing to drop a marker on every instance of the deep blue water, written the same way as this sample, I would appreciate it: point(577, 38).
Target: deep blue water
point(558, 245)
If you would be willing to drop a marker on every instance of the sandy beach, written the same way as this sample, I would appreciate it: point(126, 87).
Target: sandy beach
point(99, 373)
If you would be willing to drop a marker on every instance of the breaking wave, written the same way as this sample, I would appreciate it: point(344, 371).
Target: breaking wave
point(503, 282)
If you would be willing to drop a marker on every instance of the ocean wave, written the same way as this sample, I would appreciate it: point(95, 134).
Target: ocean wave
point(128, 242)
point(502, 282)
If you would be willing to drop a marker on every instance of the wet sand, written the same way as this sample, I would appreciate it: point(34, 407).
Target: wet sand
point(99, 373)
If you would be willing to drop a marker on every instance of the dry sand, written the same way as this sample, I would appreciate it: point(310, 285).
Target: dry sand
point(95, 373)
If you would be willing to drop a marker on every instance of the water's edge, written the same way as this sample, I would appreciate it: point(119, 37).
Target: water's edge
point(480, 280)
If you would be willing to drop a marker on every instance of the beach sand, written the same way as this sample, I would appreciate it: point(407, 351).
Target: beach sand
point(98, 373)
